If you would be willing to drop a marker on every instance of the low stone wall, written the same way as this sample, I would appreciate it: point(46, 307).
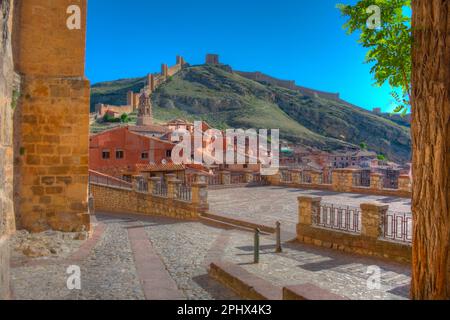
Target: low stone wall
point(4, 268)
point(121, 200)
point(248, 286)
point(369, 242)
point(342, 181)
point(309, 291)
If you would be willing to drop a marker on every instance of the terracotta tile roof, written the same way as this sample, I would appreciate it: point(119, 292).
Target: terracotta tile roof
point(151, 128)
point(159, 167)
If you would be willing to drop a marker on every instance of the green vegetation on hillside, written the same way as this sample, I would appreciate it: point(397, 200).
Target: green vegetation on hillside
point(225, 99)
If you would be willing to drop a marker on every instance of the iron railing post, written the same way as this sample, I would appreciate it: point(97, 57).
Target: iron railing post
point(279, 249)
point(256, 246)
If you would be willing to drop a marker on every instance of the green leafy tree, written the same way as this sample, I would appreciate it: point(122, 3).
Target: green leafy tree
point(381, 157)
point(363, 146)
point(389, 44)
point(124, 118)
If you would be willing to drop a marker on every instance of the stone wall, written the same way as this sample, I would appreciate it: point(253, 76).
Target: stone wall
point(288, 84)
point(343, 182)
point(9, 90)
point(101, 109)
point(112, 199)
point(52, 118)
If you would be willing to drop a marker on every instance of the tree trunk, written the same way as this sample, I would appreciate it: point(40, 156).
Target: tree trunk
point(431, 149)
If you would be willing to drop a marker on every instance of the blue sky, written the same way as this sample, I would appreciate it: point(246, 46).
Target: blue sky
point(299, 40)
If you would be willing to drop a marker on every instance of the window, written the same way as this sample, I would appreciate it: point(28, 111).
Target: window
point(168, 153)
point(106, 154)
point(119, 154)
point(245, 166)
point(144, 155)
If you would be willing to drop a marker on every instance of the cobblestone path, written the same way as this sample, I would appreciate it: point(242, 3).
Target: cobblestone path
point(267, 205)
point(181, 252)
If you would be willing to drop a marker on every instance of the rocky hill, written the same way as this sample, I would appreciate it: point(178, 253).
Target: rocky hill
point(226, 99)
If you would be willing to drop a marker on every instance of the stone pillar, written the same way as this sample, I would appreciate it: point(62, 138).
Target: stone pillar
point(200, 178)
point(172, 187)
point(200, 195)
point(52, 131)
point(376, 181)
point(225, 177)
point(306, 207)
point(275, 179)
point(343, 180)
point(152, 183)
point(371, 219)
point(296, 176)
point(316, 177)
point(404, 183)
point(249, 176)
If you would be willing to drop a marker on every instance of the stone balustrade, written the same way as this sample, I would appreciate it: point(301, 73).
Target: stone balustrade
point(161, 198)
point(355, 230)
point(339, 180)
point(342, 180)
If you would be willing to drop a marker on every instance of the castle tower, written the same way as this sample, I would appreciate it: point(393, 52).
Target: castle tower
point(164, 70)
point(181, 61)
point(145, 112)
point(151, 82)
point(130, 98)
point(212, 59)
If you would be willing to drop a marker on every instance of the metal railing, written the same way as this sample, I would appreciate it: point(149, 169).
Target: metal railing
point(398, 226)
point(327, 178)
point(330, 216)
point(306, 178)
point(286, 176)
point(237, 178)
point(160, 189)
point(214, 180)
point(390, 182)
point(184, 193)
point(103, 179)
point(361, 178)
point(142, 185)
point(189, 180)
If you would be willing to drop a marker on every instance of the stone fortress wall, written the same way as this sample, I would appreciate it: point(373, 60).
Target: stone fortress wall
point(153, 82)
point(288, 84)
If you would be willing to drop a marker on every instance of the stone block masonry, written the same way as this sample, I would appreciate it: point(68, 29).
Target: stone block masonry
point(53, 165)
point(52, 119)
point(369, 242)
point(111, 199)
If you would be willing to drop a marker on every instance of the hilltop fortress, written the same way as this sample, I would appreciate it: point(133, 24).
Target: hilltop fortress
point(154, 80)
